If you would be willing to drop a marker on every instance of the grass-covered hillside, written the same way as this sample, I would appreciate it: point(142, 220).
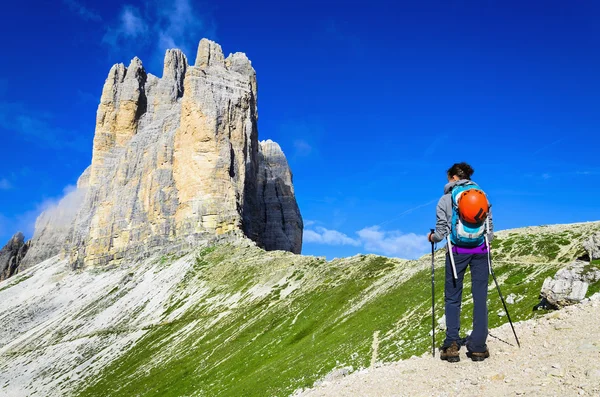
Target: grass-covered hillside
point(233, 320)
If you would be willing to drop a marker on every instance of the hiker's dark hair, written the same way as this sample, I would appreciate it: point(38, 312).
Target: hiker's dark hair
point(462, 170)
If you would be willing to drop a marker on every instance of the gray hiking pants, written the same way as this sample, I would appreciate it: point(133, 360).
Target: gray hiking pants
point(453, 298)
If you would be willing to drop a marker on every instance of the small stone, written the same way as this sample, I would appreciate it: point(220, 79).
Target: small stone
point(510, 299)
point(593, 374)
point(556, 372)
point(588, 347)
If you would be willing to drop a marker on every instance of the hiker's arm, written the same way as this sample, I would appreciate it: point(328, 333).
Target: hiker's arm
point(443, 218)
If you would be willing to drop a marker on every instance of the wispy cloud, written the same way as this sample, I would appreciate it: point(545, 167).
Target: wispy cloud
point(565, 174)
point(159, 26)
point(374, 240)
point(302, 148)
point(548, 146)
point(56, 211)
point(179, 24)
point(38, 128)
point(321, 235)
point(304, 136)
point(84, 12)
point(435, 145)
point(587, 173)
point(5, 184)
point(130, 25)
point(408, 211)
point(59, 211)
point(393, 242)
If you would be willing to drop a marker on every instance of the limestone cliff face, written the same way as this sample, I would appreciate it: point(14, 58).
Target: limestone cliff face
point(280, 215)
point(176, 160)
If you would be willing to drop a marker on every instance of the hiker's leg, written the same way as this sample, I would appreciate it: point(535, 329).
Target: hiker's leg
point(453, 296)
point(479, 288)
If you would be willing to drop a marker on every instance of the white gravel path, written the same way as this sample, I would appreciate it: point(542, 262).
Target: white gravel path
point(559, 356)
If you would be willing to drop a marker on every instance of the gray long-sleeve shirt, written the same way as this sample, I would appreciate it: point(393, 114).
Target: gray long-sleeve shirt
point(443, 214)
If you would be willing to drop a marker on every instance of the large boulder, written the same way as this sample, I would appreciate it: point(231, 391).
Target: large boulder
point(570, 284)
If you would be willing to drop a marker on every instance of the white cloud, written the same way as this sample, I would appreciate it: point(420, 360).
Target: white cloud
point(130, 26)
point(84, 12)
point(322, 235)
point(393, 243)
point(374, 240)
point(58, 211)
point(5, 184)
point(178, 26)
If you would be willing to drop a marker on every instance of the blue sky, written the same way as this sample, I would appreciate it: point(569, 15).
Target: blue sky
point(371, 101)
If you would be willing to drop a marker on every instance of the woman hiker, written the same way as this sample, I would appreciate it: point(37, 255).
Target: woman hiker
point(472, 252)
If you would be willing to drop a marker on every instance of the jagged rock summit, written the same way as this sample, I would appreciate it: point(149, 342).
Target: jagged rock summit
point(176, 160)
point(12, 254)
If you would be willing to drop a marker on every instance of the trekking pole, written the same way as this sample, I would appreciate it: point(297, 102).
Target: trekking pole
point(432, 299)
point(500, 292)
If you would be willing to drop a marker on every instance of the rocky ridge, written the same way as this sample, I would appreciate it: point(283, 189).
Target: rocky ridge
point(176, 160)
point(231, 319)
point(12, 254)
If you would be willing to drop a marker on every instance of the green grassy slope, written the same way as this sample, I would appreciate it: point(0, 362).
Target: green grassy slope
point(265, 324)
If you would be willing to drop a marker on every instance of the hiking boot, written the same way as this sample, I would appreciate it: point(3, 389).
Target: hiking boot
point(450, 353)
point(478, 356)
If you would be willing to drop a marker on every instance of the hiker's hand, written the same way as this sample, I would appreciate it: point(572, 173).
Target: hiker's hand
point(429, 237)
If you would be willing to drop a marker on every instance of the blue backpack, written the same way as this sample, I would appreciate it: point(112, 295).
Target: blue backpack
point(462, 233)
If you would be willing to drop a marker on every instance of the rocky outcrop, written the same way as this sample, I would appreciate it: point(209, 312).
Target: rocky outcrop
point(569, 285)
point(176, 160)
point(11, 255)
point(592, 246)
point(281, 221)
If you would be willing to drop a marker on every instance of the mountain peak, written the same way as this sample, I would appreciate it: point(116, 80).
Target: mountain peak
point(209, 54)
point(176, 161)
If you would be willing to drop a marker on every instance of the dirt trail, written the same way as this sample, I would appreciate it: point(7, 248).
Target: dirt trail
point(559, 356)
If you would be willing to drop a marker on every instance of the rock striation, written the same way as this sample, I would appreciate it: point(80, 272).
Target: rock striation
point(11, 255)
point(176, 160)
